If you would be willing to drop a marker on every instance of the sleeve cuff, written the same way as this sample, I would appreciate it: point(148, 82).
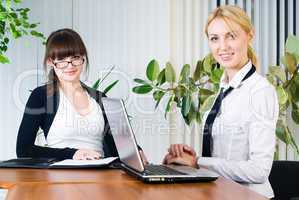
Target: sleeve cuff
point(69, 153)
point(207, 162)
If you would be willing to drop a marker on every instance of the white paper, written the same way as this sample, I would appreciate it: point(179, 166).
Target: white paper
point(3, 194)
point(70, 162)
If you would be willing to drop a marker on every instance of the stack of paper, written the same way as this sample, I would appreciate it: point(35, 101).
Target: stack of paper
point(70, 162)
point(3, 194)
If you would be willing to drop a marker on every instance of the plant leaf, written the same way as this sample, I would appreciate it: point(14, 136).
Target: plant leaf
point(280, 131)
point(158, 96)
point(294, 144)
point(208, 63)
point(295, 113)
point(186, 105)
point(168, 106)
point(271, 79)
point(96, 84)
point(185, 73)
point(37, 34)
point(278, 72)
point(169, 73)
point(33, 25)
point(192, 115)
point(109, 87)
point(289, 61)
point(292, 46)
point(207, 104)
point(204, 91)
point(138, 80)
point(161, 77)
point(6, 40)
point(203, 94)
point(152, 70)
point(216, 75)
point(198, 71)
point(293, 88)
point(179, 91)
point(143, 89)
point(282, 95)
point(3, 59)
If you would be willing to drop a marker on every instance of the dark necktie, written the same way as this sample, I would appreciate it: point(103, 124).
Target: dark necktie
point(207, 132)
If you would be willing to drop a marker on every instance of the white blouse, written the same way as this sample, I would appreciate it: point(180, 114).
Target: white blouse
point(70, 129)
point(244, 132)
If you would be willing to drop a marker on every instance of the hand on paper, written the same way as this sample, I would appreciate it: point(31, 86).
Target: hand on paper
point(86, 154)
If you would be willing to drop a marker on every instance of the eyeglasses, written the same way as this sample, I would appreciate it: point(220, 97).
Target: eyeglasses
point(76, 61)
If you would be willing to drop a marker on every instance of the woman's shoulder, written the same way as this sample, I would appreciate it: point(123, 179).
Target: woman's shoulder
point(44, 91)
point(262, 92)
point(37, 96)
point(259, 82)
point(40, 89)
point(263, 100)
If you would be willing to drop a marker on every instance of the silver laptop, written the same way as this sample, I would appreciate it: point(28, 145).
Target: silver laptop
point(128, 151)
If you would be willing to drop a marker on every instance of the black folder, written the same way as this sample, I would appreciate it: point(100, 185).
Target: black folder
point(46, 163)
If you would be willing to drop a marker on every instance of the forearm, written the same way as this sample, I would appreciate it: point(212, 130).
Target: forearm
point(251, 171)
point(35, 151)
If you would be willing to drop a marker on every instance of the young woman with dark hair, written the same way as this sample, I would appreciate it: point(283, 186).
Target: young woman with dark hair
point(70, 113)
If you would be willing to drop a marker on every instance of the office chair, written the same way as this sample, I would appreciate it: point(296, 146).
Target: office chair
point(284, 178)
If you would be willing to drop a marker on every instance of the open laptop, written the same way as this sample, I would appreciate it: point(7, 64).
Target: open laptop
point(129, 154)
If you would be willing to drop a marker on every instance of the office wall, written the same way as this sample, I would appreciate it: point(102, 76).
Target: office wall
point(125, 34)
point(128, 34)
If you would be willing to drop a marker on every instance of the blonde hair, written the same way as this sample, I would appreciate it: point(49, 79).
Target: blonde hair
point(230, 13)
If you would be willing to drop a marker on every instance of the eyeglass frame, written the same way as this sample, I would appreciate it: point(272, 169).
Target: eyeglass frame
point(68, 62)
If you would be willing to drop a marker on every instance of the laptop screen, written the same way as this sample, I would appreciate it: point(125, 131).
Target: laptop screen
point(122, 133)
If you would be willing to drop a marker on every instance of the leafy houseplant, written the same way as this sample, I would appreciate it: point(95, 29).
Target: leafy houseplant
point(194, 93)
point(100, 81)
point(286, 81)
point(14, 24)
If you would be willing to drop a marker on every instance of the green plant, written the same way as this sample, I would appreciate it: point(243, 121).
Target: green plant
point(192, 93)
point(286, 81)
point(14, 23)
point(100, 80)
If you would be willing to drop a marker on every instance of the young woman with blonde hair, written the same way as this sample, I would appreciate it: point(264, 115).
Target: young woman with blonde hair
point(239, 130)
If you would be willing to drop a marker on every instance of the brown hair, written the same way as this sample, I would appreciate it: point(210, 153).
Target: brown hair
point(236, 14)
point(60, 44)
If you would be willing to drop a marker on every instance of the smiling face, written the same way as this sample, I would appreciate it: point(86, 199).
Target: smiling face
point(65, 57)
point(69, 68)
point(228, 43)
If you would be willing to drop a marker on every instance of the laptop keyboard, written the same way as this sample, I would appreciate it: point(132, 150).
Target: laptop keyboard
point(161, 170)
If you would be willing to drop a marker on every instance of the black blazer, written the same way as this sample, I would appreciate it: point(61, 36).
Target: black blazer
point(40, 112)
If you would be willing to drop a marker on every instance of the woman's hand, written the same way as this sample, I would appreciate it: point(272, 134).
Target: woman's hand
point(179, 149)
point(86, 154)
point(143, 157)
point(181, 154)
point(186, 159)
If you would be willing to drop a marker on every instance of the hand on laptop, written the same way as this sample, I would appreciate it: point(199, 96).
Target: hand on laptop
point(86, 154)
point(143, 157)
point(179, 149)
point(181, 154)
